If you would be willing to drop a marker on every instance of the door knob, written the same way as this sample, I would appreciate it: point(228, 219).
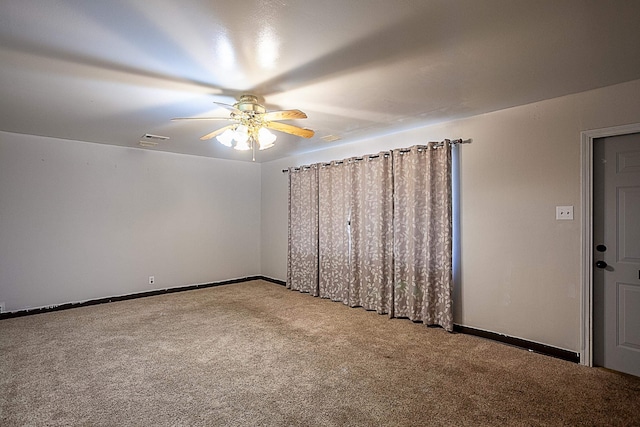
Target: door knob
point(601, 248)
point(601, 264)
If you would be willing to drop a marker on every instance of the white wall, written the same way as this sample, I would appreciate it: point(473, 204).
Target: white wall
point(81, 221)
point(520, 267)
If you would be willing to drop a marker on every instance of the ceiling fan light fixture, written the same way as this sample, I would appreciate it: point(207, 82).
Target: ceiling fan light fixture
point(242, 145)
point(241, 134)
point(226, 138)
point(265, 146)
point(265, 138)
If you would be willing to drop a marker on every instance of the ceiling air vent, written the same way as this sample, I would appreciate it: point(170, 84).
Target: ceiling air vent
point(330, 138)
point(150, 140)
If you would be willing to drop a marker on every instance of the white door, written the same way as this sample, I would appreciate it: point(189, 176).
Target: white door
point(616, 253)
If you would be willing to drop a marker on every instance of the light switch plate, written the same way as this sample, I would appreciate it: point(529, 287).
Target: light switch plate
point(564, 212)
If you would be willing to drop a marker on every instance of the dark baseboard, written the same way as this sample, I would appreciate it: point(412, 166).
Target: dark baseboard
point(70, 305)
point(518, 342)
point(276, 281)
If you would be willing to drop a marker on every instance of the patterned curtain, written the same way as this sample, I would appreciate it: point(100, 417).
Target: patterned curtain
point(334, 187)
point(422, 227)
point(371, 226)
point(376, 232)
point(302, 260)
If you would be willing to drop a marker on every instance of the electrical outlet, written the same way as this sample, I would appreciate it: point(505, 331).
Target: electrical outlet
point(152, 280)
point(564, 212)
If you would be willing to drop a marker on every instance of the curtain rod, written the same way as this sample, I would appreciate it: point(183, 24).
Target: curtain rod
point(435, 144)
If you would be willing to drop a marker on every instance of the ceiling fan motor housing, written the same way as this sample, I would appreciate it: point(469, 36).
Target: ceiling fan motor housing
point(249, 104)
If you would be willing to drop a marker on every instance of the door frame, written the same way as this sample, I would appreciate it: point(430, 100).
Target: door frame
point(586, 239)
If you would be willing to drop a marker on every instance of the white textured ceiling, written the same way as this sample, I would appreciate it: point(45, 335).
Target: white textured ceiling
point(110, 71)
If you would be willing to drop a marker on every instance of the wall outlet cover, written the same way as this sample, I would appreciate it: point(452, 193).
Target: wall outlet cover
point(564, 212)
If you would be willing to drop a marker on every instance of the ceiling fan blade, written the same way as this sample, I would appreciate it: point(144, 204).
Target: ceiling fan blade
point(293, 130)
point(284, 115)
point(228, 107)
point(200, 118)
point(216, 132)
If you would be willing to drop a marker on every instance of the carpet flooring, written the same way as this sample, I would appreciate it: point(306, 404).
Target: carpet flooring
point(257, 354)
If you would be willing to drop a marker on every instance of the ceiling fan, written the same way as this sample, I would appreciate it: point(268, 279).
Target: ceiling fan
point(251, 123)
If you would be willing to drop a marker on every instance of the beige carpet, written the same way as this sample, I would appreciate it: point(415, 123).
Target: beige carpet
point(256, 354)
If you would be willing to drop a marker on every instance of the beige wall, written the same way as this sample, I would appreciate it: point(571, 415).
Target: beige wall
point(520, 268)
point(81, 221)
